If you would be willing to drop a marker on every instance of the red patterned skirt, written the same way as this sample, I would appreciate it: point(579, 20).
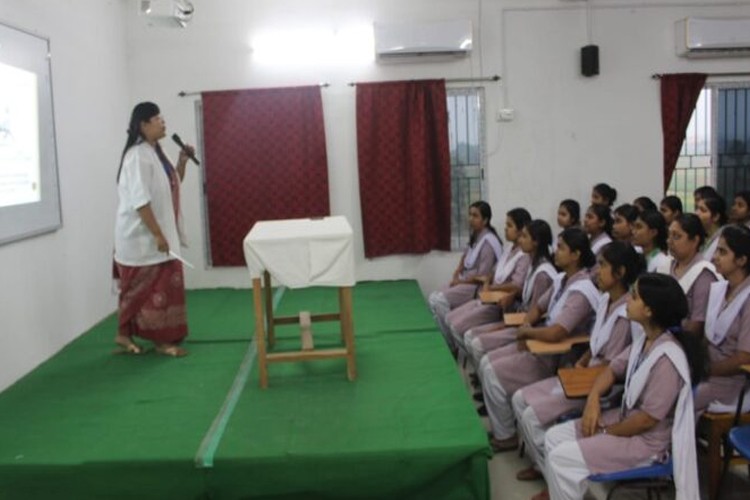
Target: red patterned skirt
point(152, 302)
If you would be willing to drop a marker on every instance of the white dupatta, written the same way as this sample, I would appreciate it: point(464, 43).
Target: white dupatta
point(685, 468)
point(688, 279)
point(472, 253)
point(604, 324)
point(504, 269)
point(718, 317)
point(557, 303)
point(598, 243)
point(528, 284)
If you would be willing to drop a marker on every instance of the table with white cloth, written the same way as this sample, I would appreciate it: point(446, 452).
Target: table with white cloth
point(300, 253)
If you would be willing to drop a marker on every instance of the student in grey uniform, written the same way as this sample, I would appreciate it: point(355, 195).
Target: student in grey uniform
point(690, 269)
point(478, 261)
point(598, 225)
point(569, 305)
point(539, 405)
point(656, 416)
point(650, 234)
point(603, 194)
point(670, 207)
point(739, 213)
point(510, 272)
point(622, 222)
point(535, 241)
point(712, 213)
point(728, 324)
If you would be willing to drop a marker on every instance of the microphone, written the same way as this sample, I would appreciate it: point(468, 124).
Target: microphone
point(178, 141)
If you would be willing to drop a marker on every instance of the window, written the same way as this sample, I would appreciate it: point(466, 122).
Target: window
point(716, 151)
point(466, 134)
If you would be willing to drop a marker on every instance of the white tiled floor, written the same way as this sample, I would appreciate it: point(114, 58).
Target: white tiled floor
point(504, 485)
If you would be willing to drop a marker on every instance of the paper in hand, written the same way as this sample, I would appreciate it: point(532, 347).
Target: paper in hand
point(186, 263)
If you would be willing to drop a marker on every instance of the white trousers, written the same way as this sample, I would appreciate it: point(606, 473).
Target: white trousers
point(440, 306)
point(566, 471)
point(530, 430)
point(474, 349)
point(498, 403)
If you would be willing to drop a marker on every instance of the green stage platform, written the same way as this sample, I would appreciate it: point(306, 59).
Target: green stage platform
point(89, 425)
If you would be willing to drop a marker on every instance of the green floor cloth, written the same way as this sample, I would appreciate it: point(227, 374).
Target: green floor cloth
point(87, 424)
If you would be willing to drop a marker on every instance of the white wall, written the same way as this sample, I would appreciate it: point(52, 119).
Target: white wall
point(56, 286)
point(570, 131)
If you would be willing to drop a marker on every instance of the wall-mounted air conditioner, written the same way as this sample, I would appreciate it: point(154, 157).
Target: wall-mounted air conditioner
point(413, 42)
point(703, 37)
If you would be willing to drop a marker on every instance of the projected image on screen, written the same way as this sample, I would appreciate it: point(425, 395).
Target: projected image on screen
point(19, 137)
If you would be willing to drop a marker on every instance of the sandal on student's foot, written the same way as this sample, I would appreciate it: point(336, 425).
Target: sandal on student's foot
point(542, 495)
point(173, 351)
point(127, 346)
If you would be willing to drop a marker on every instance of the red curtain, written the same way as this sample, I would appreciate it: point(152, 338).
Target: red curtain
point(679, 93)
point(404, 167)
point(265, 159)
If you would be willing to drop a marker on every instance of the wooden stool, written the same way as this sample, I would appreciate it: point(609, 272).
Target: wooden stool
point(715, 426)
point(265, 322)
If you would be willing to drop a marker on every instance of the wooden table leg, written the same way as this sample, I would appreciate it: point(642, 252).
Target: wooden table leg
point(269, 309)
point(347, 329)
point(260, 333)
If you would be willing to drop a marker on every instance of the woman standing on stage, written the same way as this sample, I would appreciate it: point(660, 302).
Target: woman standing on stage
point(148, 235)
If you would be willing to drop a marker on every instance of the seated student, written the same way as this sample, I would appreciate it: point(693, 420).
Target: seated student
point(569, 214)
point(622, 224)
point(539, 405)
point(535, 241)
point(510, 272)
point(703, 192)
point(603, 194)
point(598, 225)
point(712, 213)
point(656, 417)
point(478, 260)
point(650, 233)
point(728, 324)
point(670, 207)
point(644, 203)
point(690, 269)
point(569, 305)
point(740, 211)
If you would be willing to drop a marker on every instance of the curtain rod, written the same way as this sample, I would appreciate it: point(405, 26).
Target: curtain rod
point(493, 78)
point(182, 93)
point(657, 76)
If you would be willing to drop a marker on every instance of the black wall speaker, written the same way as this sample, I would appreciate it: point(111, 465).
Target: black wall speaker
point(590, 60)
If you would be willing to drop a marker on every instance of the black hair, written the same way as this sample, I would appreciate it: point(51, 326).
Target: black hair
point(627, 211)
point(486, 212)
point(691, 224)
point(603, 213)
point(717, 206)
point(669, 306)
point(622, 255)
point(644, 203)
point(673, 203)
point(607, 192)
point(705, 192)
point(142, 112)
point(745, 195)
point(655, 220)
point(520, 217)
point(577, 240)
point(737, 237)
point(540, 232)
point(574, 210)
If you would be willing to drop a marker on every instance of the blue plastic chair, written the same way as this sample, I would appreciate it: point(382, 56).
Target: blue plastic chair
point(740, 439)
point(653, 478)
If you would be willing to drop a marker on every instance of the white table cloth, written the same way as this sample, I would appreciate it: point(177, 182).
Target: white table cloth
point(302, 252)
